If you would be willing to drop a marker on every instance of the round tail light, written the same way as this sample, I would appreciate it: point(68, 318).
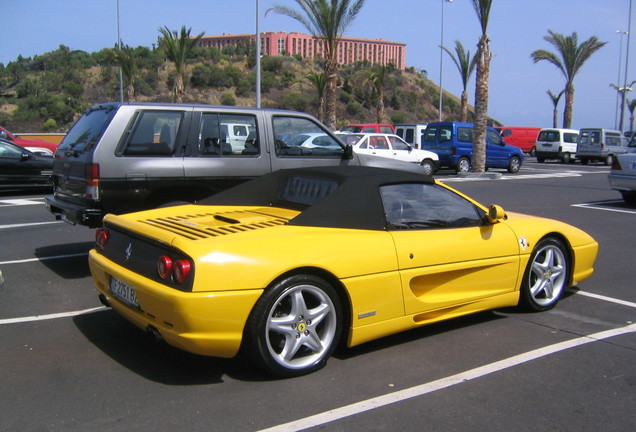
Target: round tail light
point(181, 270)
point(101, 238)
point(164, 266)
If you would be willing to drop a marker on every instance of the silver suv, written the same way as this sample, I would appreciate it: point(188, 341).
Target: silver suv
point(124, 157)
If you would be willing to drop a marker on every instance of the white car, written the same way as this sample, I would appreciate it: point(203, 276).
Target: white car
point(622, 177)
point(392, 147)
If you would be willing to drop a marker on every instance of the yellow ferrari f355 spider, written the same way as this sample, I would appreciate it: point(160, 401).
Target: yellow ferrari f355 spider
point(285, 267)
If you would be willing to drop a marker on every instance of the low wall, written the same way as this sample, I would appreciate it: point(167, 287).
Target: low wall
point(54, 138)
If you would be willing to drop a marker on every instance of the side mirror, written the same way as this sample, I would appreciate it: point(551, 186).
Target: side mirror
point(496, 213)
point(348, 152)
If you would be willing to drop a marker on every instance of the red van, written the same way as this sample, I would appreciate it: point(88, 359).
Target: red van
point(369, 127)
point(520, 136)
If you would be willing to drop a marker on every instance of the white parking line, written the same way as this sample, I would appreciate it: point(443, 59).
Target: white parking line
point(53, 257)
point(460, 378)
point(51, 316)
point(25, 225)
point(599, 206)
point(21, 202)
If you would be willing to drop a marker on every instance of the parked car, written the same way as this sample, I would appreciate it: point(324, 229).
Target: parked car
point(622, 176)
point(392, 147)
point(286, 266)
point(20, 168)
point(602, 145)
point(369, 127)
point(411, 133)
point(123, 157)
point(520, 136)
point(34, 146)
point(553, 143)
point(453, 143)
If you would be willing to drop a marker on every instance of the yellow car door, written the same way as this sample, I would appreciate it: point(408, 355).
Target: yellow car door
point(448, 253)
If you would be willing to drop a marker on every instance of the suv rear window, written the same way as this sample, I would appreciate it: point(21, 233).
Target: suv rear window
point(86, 132)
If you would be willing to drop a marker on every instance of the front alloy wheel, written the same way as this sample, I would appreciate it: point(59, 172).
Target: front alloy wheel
point(428, 167)
point(514, 165)
point(295, 326)
point(463, 165)
point(546, 276)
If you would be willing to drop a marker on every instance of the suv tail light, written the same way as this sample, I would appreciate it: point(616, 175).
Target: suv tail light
point(92, 181)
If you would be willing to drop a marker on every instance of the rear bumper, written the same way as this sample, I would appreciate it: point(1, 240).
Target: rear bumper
point(622, 182)
point(73, 213)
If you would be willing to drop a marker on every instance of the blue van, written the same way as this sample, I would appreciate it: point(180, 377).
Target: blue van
point(453, 143)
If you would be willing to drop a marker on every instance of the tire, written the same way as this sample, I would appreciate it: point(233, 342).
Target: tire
point(540, 159)
point(514, 165)
point(629, 197)
point(533, 151)
point(463, 165)
point(294, 327)
point(428, 167)
point(609, 159)
point(584, 161)
point(546, 276)
point(566, 158)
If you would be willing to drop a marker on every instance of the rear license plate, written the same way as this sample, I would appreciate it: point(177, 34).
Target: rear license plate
point(123, 292)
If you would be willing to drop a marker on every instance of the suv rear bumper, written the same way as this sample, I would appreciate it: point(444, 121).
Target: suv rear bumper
point(73, 214)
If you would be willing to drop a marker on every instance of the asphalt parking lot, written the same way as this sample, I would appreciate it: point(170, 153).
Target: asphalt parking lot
point(68, 364)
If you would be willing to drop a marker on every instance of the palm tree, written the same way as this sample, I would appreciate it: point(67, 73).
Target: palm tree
point(327, 19)
point(125, 58)
point(555, 101)
point(631, 106)
point(377, 76)
point(465, 65)
point(482, 59)
point(569, 59)
point(178, 47)
point(319, 83)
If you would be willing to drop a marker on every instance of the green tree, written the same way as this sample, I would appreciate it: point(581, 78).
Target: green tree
point(124, 57)
point(482, 58)
point(177, 47)
point(318, 81)
point(378, 76)
point(465, 65)
point(569, 59)
point(327, 20)
point(555, 101)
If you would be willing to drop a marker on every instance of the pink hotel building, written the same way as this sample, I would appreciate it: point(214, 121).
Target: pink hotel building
point(350, 50)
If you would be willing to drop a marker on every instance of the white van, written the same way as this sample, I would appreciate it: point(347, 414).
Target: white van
point(553, 143)
point(597, 144)
point(411, 133)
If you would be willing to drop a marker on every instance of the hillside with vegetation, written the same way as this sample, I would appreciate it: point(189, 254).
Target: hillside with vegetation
point(48, 92)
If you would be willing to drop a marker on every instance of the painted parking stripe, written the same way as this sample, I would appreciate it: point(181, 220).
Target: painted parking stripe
point(444, 383)
point(53, 257)
point(26, 225)
point(21, 202)
point(601, 205)
point(51, 316)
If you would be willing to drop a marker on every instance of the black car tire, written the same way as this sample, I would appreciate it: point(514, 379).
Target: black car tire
point(514, 165)
point(294, 327)
point(546, 276)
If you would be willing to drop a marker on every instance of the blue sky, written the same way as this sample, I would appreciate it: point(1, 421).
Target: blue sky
point(517, 86)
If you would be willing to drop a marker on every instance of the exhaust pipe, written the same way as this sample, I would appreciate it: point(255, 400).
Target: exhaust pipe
point(154, 333)
point(103, 300)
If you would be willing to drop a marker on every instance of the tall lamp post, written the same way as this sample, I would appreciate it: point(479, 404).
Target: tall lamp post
point(258, 59)
point(121, 78)
point(441, 59)
point(621, 33)
point(625, 87)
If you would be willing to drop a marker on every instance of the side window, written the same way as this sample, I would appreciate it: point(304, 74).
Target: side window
point(9, 152)
point(228, 135)
point(300, 137)
point(430, 134)
point(154, 134)
point(409, 138)
point(506, 133)
point(379, 143)
point(465, 134)
point(569, 137)
point(365, 143)
point(398, 144)
point(427, 206)
point(445, 133)
point(596, 137)
point(494, 137)
point(368, 129)
point(386, 129)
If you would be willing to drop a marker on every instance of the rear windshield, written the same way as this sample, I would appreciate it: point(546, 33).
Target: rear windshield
point(550, 136)
point(86, 132)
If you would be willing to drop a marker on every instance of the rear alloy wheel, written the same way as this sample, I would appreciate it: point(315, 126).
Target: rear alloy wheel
point(514, 165)
point(463, 165)
point(566, 158)
point(295, 326)
point(546, 276)
point(609, 159)
point(428, 167)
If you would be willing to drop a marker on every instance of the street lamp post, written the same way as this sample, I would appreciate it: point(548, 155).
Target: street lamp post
point(441, 59)
point(121, 78)
point(625, 86)
point(258, 59)
point(621, 33)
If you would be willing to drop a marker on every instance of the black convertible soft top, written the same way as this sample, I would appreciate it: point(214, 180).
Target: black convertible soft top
point(337, 196)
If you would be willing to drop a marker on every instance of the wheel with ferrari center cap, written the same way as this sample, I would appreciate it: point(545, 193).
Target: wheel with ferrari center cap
point(295, 326)
point(546, 276)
